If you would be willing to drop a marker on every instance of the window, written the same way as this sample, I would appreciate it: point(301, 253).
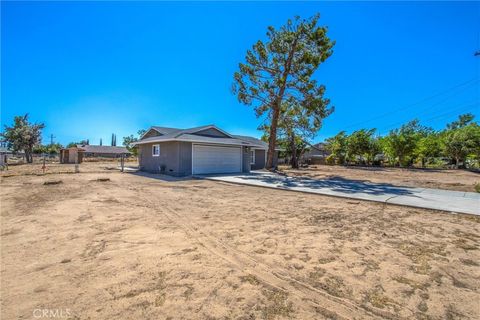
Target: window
point(156, 150)
point(252, 156)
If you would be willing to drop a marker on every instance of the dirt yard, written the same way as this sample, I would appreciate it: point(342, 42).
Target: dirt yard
point(111, 245)
point(460, 180)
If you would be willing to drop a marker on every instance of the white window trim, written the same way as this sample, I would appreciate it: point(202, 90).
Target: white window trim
point(153, 150)
point(252, 158)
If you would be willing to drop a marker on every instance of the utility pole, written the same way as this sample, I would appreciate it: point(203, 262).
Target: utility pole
point(51, 138)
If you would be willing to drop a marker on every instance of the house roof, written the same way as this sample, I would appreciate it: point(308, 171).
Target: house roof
point(253, 140)
point(188, 135)
point(164, 130)
point(103, 149)
point(176, 131)
point(5, 150)
point(320, 146)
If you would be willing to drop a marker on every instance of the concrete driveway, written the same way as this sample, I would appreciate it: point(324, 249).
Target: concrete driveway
point(452, 201)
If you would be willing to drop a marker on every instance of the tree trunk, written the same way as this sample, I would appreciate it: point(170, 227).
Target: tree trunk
point(272, 139)
point(457, 160)
point(28, 156)
point(293, 148)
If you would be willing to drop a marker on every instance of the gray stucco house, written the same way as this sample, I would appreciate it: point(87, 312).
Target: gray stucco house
point(202, 150)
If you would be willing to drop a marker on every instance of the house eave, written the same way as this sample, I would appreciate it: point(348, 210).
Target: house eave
point(193, 141)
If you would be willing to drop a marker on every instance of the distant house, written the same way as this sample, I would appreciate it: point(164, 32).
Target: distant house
point(81, 151)
point(103, 151)
point(317, 154)
point(202, 150)
point(6, 153)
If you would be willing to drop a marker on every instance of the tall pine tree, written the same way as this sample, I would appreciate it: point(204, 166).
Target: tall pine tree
point(281, 69)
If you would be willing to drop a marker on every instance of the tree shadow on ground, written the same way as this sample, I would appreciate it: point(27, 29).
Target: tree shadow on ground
point(336, 183)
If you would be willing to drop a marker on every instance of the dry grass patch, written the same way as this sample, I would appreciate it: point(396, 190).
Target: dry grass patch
point(378, 299)
point(52, 182)
point(276, 305)
point(413, 284)
point(325, 260)
point(465, 244)
point(470, 262)
point(334, 285)
point(250, 278)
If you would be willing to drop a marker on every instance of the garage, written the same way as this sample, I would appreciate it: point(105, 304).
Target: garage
point(216, 159)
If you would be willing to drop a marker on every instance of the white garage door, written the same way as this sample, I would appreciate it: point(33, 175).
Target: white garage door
point(214, 159)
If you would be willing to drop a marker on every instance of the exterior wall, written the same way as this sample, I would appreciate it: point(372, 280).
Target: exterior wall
point(246, 159)
point(72, 156)
point(175, 156)
point(211, 132)
point(259, 159)
point(185, 158)
point(169, 157)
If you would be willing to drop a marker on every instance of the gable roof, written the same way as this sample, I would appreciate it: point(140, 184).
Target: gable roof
point(188, 135)
point(253, 140)
point(202, 128)
point(102, 149)
point(176, 132)
point(163, 130)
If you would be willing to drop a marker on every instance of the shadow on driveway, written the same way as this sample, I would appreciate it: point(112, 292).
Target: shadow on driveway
point(334, 183)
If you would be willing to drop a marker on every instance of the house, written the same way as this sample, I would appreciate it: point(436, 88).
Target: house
point(6, 154)
point(81, 151)
point(104, 151)
point(317, 154)
point(202, 150)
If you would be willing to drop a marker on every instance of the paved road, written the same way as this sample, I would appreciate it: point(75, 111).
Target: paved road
point(452, 201)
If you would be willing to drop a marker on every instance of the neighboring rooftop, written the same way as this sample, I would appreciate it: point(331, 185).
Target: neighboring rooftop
point(103, 149)
point(6, 150)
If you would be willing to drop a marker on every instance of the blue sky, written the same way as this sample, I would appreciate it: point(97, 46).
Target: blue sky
point(88, 69)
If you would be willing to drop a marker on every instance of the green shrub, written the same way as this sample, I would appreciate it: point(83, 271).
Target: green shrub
point(477, 187)
point(330, 160)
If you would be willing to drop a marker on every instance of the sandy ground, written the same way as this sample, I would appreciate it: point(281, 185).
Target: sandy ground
point(133, 246)
point(461, 180)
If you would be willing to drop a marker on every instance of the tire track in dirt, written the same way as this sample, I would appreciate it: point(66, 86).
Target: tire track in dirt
point(271, 276)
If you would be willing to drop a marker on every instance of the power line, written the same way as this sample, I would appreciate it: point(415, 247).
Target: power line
point(469, 82)
point(430, 108)
point(467, 107)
